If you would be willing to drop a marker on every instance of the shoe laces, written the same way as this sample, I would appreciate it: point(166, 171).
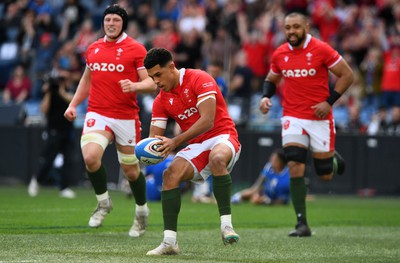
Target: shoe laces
point(140, 222)
point(102, 209)
point(228, 230)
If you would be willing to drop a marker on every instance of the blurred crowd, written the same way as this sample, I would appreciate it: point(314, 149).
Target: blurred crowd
point(231, 39)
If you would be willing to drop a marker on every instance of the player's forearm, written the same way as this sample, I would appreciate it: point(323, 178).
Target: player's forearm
point(344, 82)
point(82, 92)
point(80, 95)
point(146, 85)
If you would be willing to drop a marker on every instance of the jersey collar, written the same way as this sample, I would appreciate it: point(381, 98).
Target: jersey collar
point(182, 72)
point(178, 87)
point(308, 39)
point(122, 38)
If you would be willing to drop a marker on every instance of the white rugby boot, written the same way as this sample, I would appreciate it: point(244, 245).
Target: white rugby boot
point(139, 224)
point(67, 193)
point(33, 187)
point(103, 208)
point(164, 249)
point(229, 236)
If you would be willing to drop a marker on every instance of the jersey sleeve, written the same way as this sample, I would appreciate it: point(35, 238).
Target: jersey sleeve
point(87, 54)
point(140, 54)
point(158, 112)
point(274, 69)
point(204, 85)
point(332, 56)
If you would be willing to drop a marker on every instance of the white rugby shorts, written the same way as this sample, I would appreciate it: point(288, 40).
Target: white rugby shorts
point(197, 154)
point(318, 135)
point(125, 132)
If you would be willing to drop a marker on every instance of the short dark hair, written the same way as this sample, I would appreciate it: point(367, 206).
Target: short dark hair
point(157, 56)
point(302, 16)
point(281, 155)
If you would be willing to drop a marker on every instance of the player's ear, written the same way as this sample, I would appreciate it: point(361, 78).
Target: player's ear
point(171, 66)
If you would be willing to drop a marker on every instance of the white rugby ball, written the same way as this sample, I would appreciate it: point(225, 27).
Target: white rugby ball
point(146, 151)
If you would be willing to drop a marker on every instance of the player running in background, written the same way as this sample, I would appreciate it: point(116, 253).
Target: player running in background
point(192, 98)
point(114, 74)
point(307, 123)
point(272, 185)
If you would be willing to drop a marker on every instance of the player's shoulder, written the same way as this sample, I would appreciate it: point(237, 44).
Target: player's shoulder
point(196, 74)
point(132, 44)
point(282, 50)
point(96, 43)
point(283, 47)
point(318, 43)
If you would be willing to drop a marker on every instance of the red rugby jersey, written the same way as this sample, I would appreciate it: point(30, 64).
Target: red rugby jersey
point(110, 62)
point(305, 74)
point(180, 104)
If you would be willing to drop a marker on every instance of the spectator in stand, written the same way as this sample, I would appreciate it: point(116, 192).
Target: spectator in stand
point(256, 45)
point(44, 17)
point(391, 71)
point(84, 37)
point(215, 69)
point(371, 77)
point(167, 37)
point(188, 50)
point(240, 84)
point(213, 17)
point(218, 48)
point(394, 125)
point(70, 19)
point(170, 10)
point(379, 123)
point(18, 88)
point(325, 19)
point(192, 18)
point(43, 62)
point(9, 47)
point(27, 37)
point(354, 124)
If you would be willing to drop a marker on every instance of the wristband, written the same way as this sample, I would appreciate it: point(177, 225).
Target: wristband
point(333, 97)
point(269, 89)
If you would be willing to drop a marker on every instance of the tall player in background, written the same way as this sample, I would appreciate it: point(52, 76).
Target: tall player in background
point(114, 74)
point(193, 99)
point(307, 123)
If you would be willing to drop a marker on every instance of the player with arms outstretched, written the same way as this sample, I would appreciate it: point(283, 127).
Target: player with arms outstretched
point(192, 98)
point(307, 123)
point(114, 74)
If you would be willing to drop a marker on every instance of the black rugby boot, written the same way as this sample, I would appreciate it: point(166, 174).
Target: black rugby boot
point(301, 230)
point(341, 165)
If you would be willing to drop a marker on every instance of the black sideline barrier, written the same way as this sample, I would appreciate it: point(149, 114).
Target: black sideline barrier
point(371, 162)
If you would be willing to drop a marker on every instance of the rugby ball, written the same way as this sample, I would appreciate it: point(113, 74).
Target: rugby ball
point(146, 151)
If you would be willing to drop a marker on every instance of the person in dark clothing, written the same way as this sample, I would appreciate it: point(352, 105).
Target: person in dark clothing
point(57, 135)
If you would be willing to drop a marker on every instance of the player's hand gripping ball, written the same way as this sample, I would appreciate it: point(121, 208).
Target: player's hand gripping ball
point(146, 151)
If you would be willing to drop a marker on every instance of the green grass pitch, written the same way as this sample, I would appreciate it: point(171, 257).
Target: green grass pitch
point(51, 229)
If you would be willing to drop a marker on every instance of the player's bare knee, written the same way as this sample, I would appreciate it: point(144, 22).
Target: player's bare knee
point(217, 163)
point(324, 168)
point(91, 161)
point(171, 179)
point(131, 172)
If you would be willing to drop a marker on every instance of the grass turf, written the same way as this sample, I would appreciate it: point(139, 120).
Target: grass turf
point(51, 229)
